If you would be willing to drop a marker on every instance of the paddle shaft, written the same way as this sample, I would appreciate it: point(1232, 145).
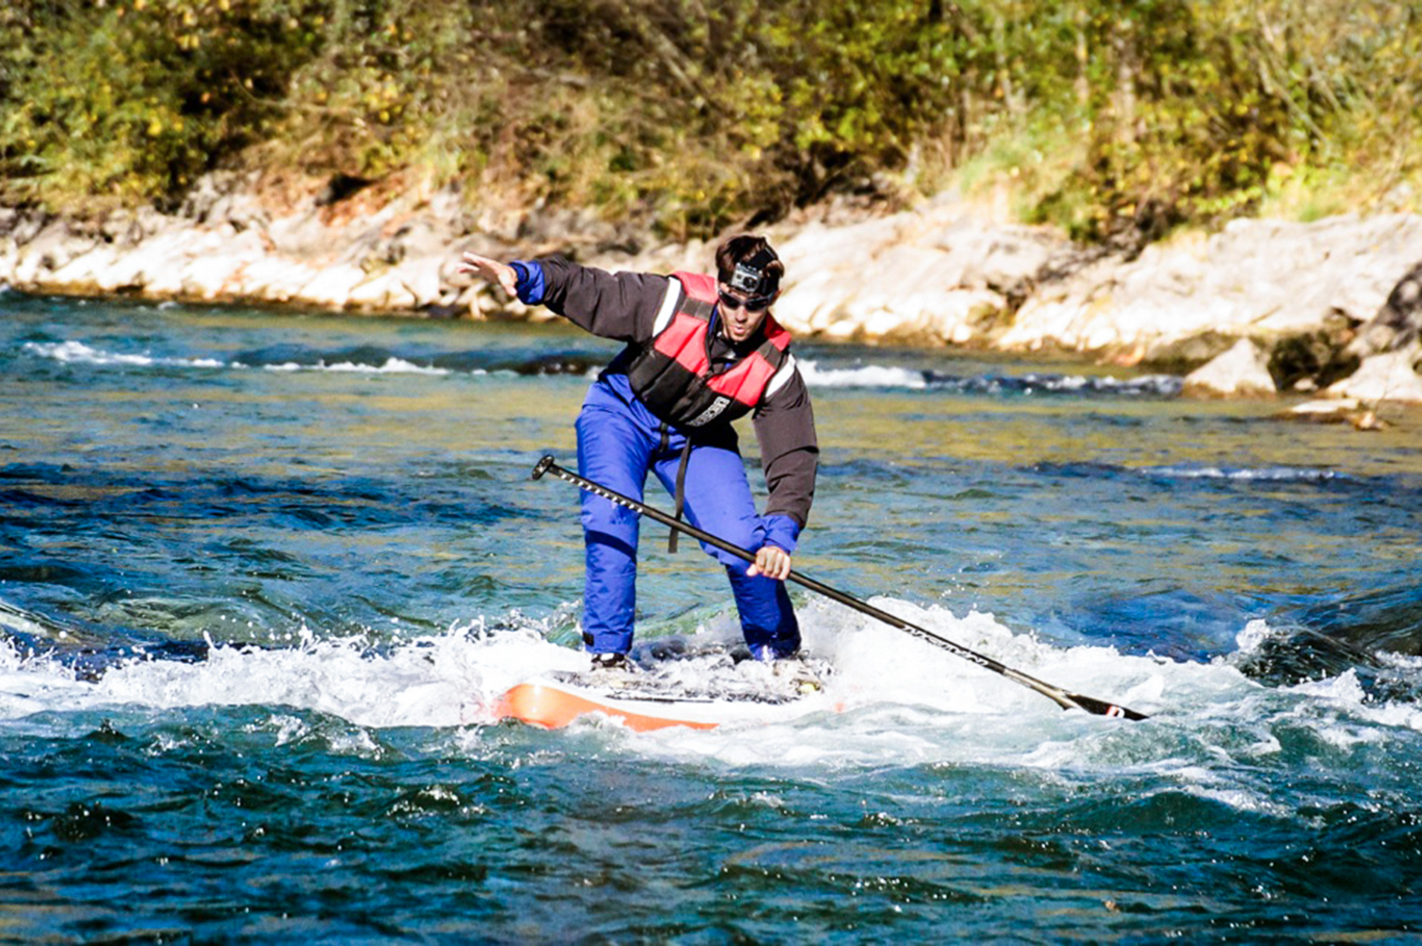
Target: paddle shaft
point(1056, 694)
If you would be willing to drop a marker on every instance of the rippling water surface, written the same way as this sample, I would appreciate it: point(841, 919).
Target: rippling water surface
point(263, 574)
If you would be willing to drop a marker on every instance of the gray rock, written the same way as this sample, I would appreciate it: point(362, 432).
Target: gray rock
point(1243, 370)
point(1398, 323)
point(1391, 376)
point(1300, 304)
point(1259, 279)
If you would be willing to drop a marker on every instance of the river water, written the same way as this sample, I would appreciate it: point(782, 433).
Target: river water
point(263, 574)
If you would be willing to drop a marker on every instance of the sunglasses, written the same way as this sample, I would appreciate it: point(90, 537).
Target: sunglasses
point(754, 303)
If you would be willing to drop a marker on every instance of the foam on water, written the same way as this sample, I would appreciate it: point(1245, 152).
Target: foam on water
point(75, 352)
point(878, 377)
point(867, 376)
point(1260, 474)
point(448, 680)
point(816, 375)
point(72, 352)
point(391, 365)
point(896, 699)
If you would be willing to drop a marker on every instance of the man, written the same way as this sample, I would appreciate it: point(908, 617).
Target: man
point(701, 352)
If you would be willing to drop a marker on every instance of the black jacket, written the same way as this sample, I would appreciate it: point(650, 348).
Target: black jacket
point(624, 307)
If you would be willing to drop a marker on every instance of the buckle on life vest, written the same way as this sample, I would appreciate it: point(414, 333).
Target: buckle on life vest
point(711, 413)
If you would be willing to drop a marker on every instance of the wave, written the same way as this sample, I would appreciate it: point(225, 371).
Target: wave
point(867, 376)
point(1272, 474)
point(72, 352)
point(376, 360)
point(886, 377)
point(481, 660)
point(1375, 635)
point(1314, 476)
point(899, 699)
point(389, 366)
point(361, 360)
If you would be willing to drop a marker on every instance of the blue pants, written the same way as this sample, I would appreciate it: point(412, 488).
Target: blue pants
point(618, 443)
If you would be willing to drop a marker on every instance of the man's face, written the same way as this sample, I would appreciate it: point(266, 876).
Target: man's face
point(741, 314)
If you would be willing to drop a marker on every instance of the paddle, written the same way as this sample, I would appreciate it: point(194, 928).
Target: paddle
point(1056, 694)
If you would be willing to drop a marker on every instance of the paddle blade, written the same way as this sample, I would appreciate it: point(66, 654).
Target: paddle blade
point(1102, 708)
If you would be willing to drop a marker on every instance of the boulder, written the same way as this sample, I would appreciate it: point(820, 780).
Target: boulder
point(1398, 322)
point(937, 274)
point(1264, 279)
point(1391, 376)
point(331, 286)
point(1241, 371)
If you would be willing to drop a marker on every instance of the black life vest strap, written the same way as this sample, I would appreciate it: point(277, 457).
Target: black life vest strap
point(680, 493)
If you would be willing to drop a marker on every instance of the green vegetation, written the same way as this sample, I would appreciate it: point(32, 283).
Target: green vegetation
point(1119, 119)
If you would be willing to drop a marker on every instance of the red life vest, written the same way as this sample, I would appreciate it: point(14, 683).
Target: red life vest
point(673, 376)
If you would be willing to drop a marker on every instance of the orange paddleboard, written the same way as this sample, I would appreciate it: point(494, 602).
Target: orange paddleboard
point(554, 704)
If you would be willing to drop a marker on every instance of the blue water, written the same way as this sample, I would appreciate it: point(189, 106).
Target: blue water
point(263, 575)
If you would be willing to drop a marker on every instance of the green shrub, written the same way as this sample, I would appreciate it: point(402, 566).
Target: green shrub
point(130, 102)
point(1118, 119)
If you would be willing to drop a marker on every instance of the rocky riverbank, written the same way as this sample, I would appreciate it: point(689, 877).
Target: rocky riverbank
point(1264, 306)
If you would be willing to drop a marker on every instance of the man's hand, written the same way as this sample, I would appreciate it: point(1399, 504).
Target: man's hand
point(772, 562)
point(472, 264)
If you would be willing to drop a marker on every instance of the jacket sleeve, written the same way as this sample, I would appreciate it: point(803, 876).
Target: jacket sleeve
point(620, 306)
point(789, 455)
